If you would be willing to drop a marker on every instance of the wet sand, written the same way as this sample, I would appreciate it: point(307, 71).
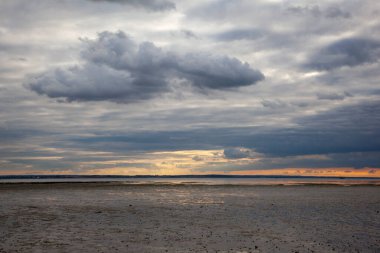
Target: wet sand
point(183, 218)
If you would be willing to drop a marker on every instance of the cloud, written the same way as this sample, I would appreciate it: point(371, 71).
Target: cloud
point(333, 96)
point(117, 69)
point(188, 34)
point(274, 104)
point(198, 158)
point(92, 82)
point(345, 129)
point(347, 160)
point(349, 52)
point(335, 12)
point(216, 9)
point(155, 5)
point(315, 11)
point(238, 153)
point(312, 10)
point(239, 34)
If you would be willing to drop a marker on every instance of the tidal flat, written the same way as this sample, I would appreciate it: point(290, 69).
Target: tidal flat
point(113, 217)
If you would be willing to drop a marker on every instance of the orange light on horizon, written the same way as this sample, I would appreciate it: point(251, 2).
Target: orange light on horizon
point(191, 162)
point(322, 172)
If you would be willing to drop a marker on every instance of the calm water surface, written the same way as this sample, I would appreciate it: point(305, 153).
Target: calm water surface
point(206, 181)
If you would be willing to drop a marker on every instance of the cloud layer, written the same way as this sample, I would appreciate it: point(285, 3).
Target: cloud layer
point(116, 68)
point(154, 5)
point(349, 52)
point(238, 153)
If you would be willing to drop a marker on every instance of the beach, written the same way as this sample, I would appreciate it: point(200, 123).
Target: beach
point(114, 217)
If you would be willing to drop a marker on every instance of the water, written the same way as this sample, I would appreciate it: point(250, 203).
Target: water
point(197, 180)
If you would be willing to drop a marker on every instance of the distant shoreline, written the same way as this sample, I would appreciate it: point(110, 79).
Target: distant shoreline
point(96, 184)
point(187, 180)
point(211, 176)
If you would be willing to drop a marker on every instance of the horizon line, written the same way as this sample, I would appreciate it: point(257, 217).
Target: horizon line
point(175, 176)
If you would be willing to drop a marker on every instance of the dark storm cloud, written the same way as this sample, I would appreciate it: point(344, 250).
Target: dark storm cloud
point(346, 52)
point(156, 5)
point(118, 69)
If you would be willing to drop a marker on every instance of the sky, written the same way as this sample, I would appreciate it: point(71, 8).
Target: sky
point(162, 87)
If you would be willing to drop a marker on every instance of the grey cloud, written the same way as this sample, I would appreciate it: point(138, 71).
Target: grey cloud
point(16, 133)
point(177, 34)
point(316, 11)
point(238, 153)
point(348, 135)
point(351, 128)
point(362, 118)
point(186, 33)
point(279, 105)
point(331, 161)
point(239, 34)
point(313, 10)
point(333, 96)
point(156, 5)
point(216, 9)
point(118, 69)
point(216, 72)
point(94, 82)
point(274, 104)
point(346, 52)
point(356, 160)
point(335, 12)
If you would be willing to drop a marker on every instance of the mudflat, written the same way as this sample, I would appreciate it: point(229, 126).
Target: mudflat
point(101, 217)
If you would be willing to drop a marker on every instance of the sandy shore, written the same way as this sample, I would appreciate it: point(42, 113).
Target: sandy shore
point(116, 218)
